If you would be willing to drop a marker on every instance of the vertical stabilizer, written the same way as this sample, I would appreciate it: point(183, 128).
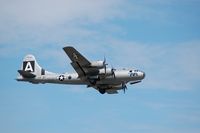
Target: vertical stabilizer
point(30, 68)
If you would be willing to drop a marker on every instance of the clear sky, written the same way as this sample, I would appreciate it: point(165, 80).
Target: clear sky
point(160, 37)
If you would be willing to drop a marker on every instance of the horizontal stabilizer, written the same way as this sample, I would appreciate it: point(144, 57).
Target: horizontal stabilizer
point(26, 74)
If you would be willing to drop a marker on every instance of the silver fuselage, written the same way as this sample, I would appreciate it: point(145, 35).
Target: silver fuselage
point(73, 78)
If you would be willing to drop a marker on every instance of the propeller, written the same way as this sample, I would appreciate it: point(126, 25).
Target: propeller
point(113, 71)
point(104, 64)
point(104, 60)
point(124, 87)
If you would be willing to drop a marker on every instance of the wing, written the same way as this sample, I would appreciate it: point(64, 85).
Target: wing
point(83, 67)
point(75, 56)
point(80, 63)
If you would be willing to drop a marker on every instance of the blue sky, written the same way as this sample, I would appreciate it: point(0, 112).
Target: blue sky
point(160, 37)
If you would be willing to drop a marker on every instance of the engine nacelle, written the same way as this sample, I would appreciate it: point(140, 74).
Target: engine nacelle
point(107, 71)
point(97, 64)
point(117, 87)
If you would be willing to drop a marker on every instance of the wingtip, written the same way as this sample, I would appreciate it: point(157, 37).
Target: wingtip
point(67, 47)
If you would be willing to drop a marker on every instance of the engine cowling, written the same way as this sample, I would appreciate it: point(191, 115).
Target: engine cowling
point(98, 64)
point(107, 71)
point(117, 87)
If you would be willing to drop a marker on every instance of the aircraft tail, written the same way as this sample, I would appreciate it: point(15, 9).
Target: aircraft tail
point(30, 68)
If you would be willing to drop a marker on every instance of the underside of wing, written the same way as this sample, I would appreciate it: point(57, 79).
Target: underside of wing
point(111, 91)
point(79, 62)
point(75, 56)
point(107, 88)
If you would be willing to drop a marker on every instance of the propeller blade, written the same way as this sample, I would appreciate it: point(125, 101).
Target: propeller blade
point(104, 63)
point(124, 87)
point(105, 70)
point(113, 72)
point(104, 60)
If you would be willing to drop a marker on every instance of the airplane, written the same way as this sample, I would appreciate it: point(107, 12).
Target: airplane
point(94, 74)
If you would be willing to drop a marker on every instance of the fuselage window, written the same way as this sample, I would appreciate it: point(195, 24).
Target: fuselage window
point(69, 77)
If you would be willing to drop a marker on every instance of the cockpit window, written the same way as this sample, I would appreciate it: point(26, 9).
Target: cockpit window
point(130, 71)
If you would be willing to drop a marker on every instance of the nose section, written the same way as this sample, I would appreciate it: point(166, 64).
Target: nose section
point(143, 75)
